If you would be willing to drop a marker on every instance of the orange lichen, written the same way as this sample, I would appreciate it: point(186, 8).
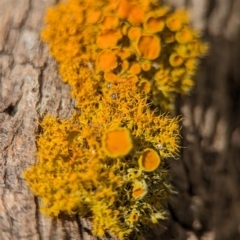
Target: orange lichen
point(135, 68)
point(132, 12)
point(125, 28)
point(154, 24)
point(109, 22)
point(108, 38)
point(107, 60)
point(110, 77)
point(139, 190)
point(133, 79)
point(125, 65)
point(174, 23)
point(149, 46)
point(175, 60)
point(124, 8)
point(139, 193)
point(135, 30)
point(146, 65)
point(93, 16)
point(134, 33)
point(117, 142)
point(136, 15)
point(149, 160)
point(191, 64)
point(123, 53)
point(144, 86)
point(184, 36)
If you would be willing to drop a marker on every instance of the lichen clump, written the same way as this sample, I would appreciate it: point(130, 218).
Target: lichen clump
point(106, 161)
point(89, 164)
point(140, 39)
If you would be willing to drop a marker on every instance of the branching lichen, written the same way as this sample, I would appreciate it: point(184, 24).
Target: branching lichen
point(106, 162)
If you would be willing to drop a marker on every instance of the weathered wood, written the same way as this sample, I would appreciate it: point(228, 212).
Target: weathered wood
point(206, 176)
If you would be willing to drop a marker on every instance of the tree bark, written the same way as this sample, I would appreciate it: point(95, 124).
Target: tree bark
point(206, 175)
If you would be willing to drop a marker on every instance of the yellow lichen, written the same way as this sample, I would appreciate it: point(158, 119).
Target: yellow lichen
point(144, 86)
point(184, 36)
point(132, 12)
point(125, 65)
point(74, 159)
point(134, 30)
point(173, 23)
point(146, 65)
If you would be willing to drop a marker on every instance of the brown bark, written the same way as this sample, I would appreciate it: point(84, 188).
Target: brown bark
point(206, 176)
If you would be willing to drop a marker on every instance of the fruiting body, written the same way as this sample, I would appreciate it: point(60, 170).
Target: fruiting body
point(117, 142)
point(149, 160)
point(139, 190)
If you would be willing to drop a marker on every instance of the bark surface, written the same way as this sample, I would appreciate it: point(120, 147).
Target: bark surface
point(207, 174)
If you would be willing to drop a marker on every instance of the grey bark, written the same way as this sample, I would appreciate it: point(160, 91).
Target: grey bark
point(206, 176)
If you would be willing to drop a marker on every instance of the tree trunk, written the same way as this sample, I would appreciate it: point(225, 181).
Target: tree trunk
point(206, 176)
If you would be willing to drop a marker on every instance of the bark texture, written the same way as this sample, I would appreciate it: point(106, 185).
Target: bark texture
point(206, 176)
